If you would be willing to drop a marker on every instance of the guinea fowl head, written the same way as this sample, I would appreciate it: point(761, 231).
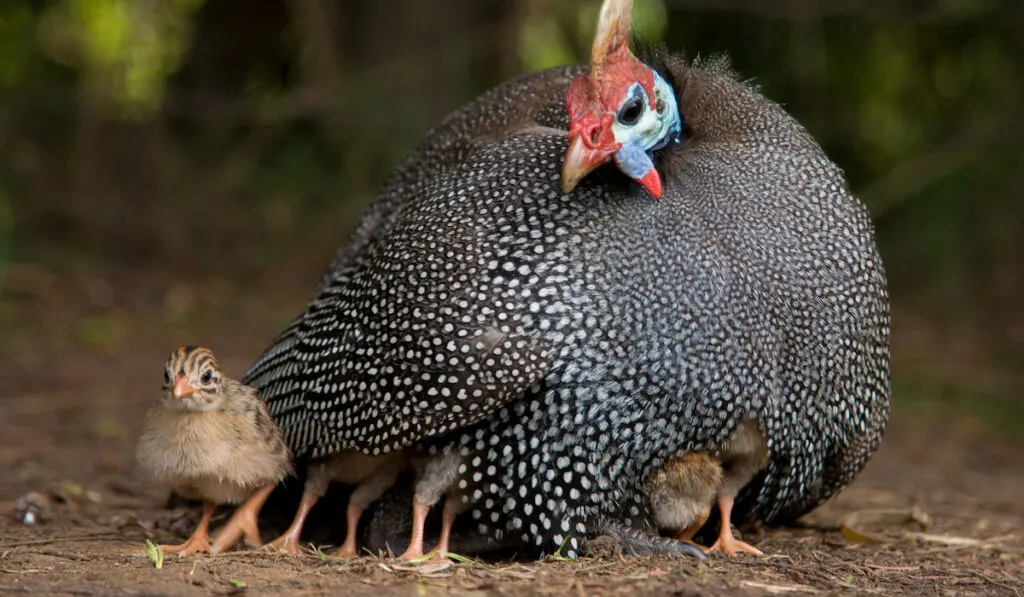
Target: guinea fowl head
point(192, 379)
point(622, 110)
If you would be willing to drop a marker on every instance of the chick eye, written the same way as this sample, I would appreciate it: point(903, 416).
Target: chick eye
point(206, 378)
point(167, 379)
point(631, 112)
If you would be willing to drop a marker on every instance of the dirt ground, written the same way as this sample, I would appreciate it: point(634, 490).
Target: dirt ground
point(937, 512)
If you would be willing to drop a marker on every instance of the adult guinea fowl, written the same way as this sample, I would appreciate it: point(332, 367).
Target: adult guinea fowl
point(544, 333)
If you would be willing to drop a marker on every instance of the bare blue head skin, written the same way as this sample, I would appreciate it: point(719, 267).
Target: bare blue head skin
point(650, 129)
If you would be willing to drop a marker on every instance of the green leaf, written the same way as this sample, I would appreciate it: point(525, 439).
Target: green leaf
point(155, 554)
point(238, 584)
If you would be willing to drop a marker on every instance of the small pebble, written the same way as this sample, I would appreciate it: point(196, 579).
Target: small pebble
point(33, 508)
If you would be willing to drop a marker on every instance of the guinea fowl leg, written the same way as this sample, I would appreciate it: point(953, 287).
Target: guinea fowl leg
point(200, 539)
point(243, 522)
point(419, 520)
point(726, 543)
point(289, 541)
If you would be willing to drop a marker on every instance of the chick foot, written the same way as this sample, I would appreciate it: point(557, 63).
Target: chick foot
point(419, 520)
point(726, 542)
point(243, 522)
point(348, 548)
point(199, 542)
point(289, 541)
point(730, 546)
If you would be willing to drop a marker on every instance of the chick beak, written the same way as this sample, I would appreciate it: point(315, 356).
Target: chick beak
point(181, 388)
point(581, 160)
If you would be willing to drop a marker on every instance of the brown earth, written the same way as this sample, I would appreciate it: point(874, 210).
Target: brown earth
point(938, 511)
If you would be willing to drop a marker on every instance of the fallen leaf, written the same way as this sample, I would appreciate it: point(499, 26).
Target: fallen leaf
point(155, 554)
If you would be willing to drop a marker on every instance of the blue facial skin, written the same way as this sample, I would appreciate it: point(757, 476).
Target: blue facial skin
point(634, 158)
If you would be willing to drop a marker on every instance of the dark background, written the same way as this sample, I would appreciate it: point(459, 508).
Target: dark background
point(181, 171)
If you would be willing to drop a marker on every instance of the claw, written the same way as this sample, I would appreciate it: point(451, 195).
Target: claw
point(284, 544)
point(732, 546)
point(726, 542)
point(243, 522)
point(200, 539)
point(289, 541)
point(419, 519)
point(197, 543)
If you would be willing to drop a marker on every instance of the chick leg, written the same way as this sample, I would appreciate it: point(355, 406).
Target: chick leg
point(362, 496)
point(352, 515)
point(687, 533)
point(289, 541)
point(243, 521)
point(726, 543)
point(419, 520)
point(200, 539)
point(452, 508)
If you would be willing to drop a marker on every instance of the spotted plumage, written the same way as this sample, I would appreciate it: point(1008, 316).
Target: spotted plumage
point(566, 345)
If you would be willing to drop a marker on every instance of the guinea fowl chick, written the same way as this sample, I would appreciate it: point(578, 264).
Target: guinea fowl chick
point(436, 477)
point(743, 455)
point(682, 491)
point(372, 476)
point(212, 438)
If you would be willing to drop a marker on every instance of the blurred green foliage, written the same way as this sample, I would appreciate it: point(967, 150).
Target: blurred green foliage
point(131, 128)
point(127, 49)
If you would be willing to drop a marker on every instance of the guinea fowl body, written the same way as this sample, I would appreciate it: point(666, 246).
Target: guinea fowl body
point(567, 345)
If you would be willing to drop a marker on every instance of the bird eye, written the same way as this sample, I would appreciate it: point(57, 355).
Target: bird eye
point(206, 378)
point(631, 112)
point(167, 379)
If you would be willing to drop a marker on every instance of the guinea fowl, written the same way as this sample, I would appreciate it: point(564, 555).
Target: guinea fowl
point(517, 304)
point(212, 438)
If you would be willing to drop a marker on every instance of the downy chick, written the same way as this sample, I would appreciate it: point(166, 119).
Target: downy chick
point(682, 492)
point(372, 476)
point(212, 438)
point(743, 455)
point(436, 477)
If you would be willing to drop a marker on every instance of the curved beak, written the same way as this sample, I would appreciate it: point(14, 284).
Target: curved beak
point(181, 388)
point(581, 160)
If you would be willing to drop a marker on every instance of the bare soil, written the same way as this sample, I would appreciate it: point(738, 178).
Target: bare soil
point(938, 511)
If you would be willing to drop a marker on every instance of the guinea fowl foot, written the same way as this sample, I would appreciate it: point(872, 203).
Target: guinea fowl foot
point(243, 522)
